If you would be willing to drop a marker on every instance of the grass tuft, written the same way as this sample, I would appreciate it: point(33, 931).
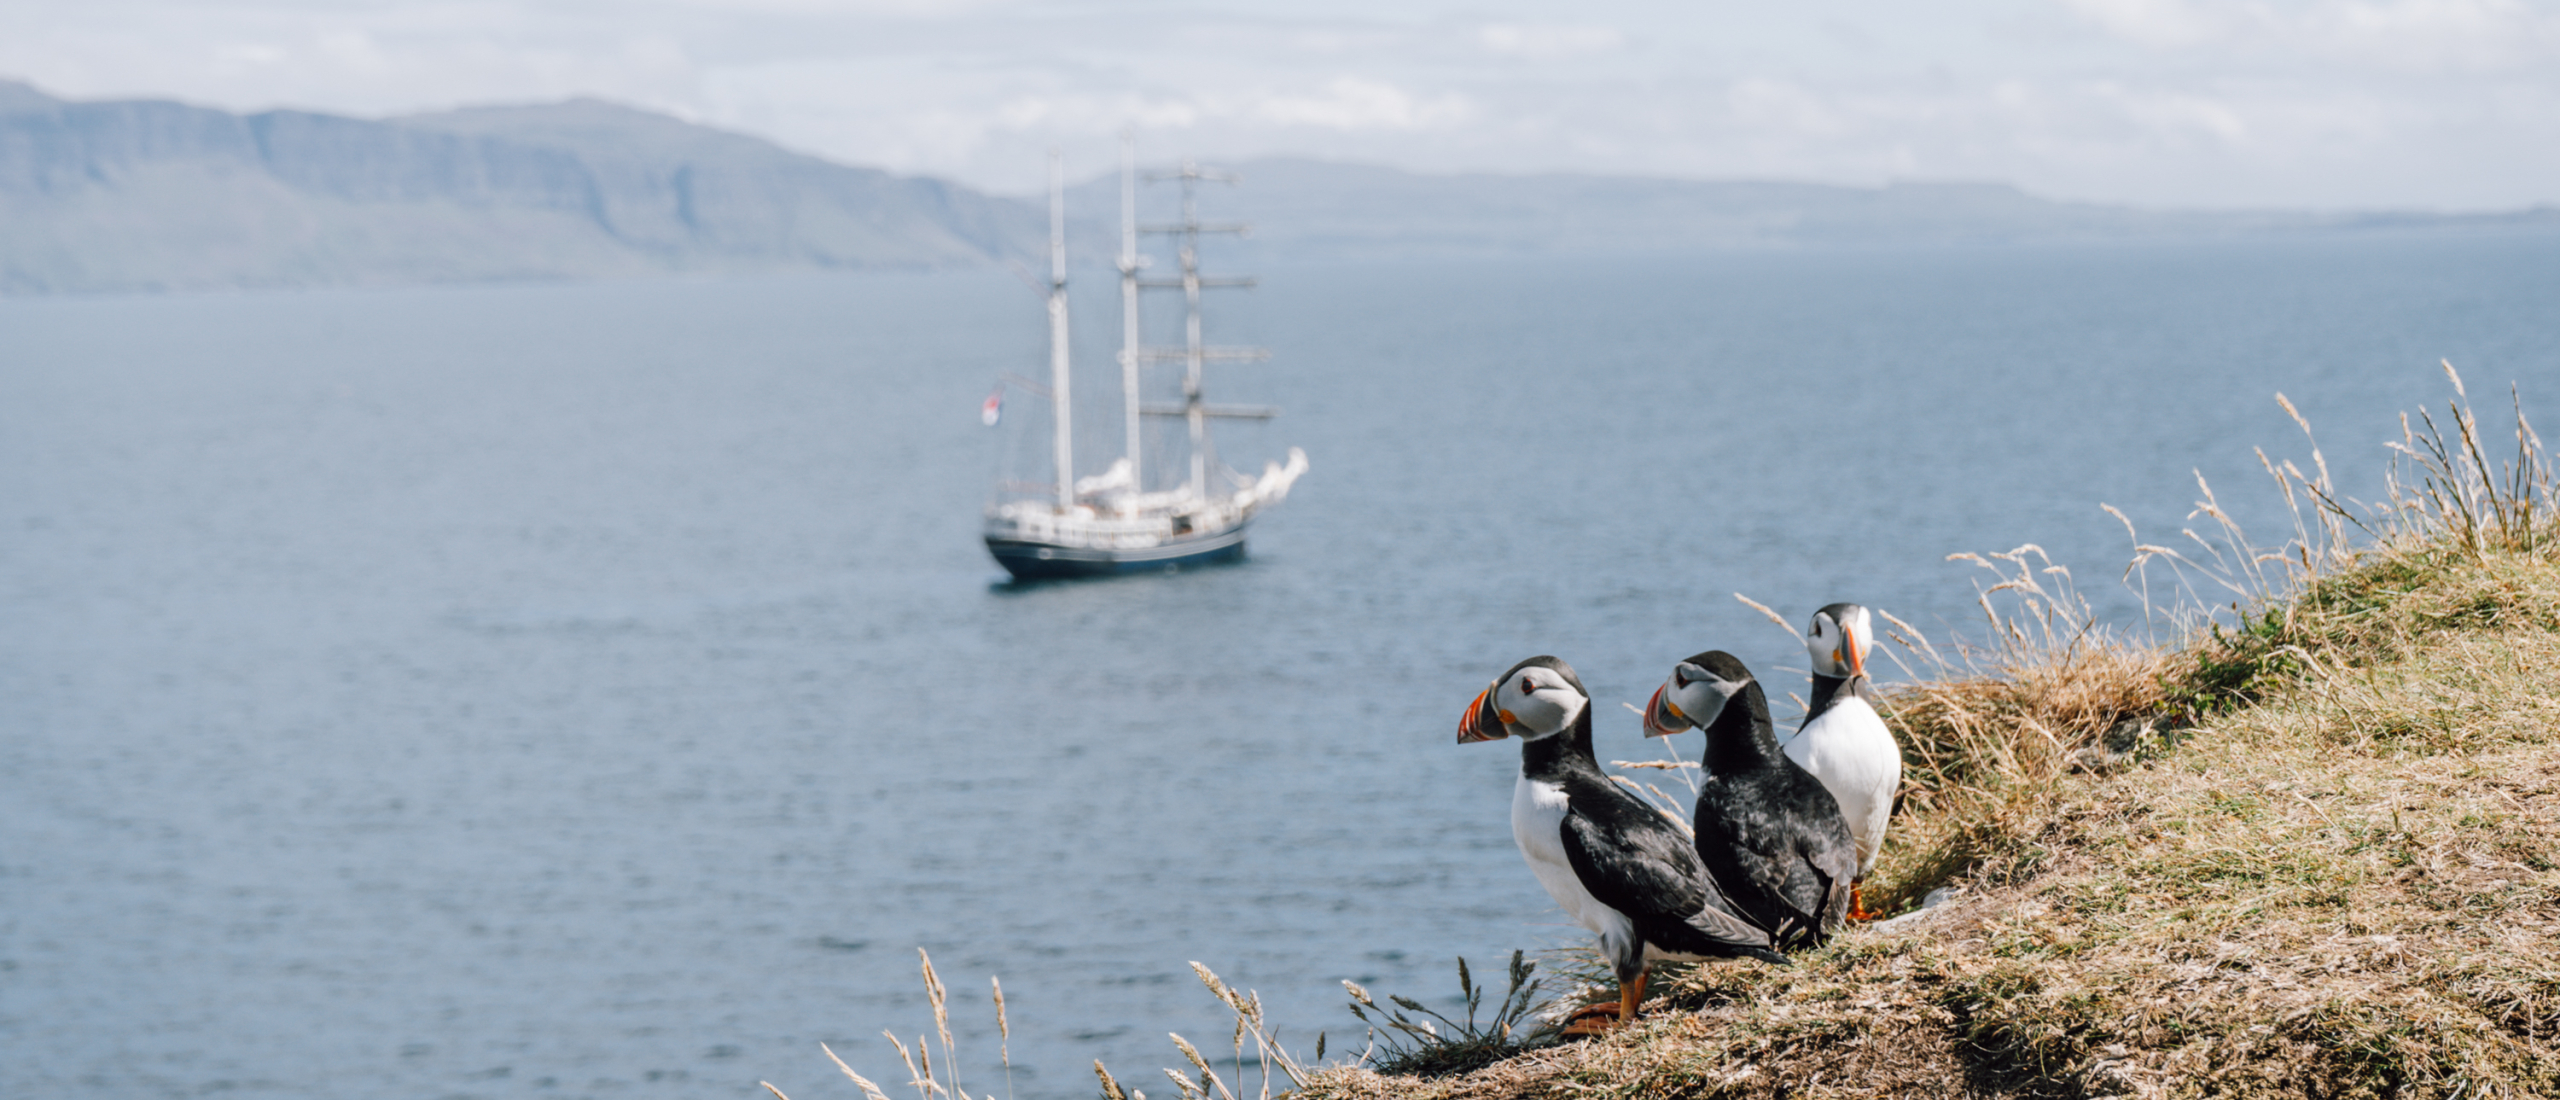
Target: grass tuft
point(1404, 1040)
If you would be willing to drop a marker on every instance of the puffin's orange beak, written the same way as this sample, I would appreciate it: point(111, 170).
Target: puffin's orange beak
point(1471, 725)
point(1849, 642)
point(1660, 713)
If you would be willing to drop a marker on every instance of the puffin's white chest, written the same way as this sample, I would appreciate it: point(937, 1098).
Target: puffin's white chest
point(1849, 749)
point(1537, 820)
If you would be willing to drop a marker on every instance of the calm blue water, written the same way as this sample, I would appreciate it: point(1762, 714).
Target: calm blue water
point(600, 691)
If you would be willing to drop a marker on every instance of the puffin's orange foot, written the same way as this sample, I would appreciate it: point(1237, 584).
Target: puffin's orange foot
point(1858, 905)
point(1596, 1018)
point(1596, 1008)
point(1592, 1019)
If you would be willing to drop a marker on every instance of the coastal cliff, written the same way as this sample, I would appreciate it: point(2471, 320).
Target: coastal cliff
point(154, 195)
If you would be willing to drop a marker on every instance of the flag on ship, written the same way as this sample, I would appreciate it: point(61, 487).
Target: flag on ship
point(993, 410)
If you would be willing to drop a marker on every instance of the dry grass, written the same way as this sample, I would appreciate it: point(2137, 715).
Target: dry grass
point(2311, 849)
point(1987, 741)
point(929, 1083)
point(1245, 1005)
point(1993, 730)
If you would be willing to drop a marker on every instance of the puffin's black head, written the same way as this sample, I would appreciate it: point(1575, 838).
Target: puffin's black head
point(1698, 690)
point(1839, 640)
point(1539, 697)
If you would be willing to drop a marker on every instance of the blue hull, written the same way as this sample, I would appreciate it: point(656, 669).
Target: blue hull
point(1042, 561)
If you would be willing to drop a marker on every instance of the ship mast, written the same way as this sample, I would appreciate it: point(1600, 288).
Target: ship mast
point(1194, 354)
point(1129, 347)
point(1058, 333)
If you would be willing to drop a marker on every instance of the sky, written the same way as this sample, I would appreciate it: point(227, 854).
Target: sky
point(2446, 105)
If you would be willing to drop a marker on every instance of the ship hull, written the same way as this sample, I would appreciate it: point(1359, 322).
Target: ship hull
point(1032, 560)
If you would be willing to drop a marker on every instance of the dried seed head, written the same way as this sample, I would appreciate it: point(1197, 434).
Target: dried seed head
point(869, 1091)
point(914, 1077)
point(1110, 1088)
point(1189, 1051)
point(933, 992)
point(1216, 986)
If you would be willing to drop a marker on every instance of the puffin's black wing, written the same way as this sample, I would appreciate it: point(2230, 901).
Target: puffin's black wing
point(1634, 861)
point(1833, 852)
point(1773, 841)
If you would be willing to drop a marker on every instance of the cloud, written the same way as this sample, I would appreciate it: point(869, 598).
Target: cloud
point(1538, 42)
point(356, 59)
point(2394, 35)
point(990, 125)
point(233, 59)
point(2172, 116)
point(906, 9)
point(1783, 107)
point(2160, 22)
point(1356, 103)
point(2215, 102)
point(1089, 112)
point(2435, 35)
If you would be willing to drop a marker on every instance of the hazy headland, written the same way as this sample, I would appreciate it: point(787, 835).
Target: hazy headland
point(130, 195)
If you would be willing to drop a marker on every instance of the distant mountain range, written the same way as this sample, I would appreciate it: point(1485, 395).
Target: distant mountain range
point(1314, 209)
point(155, 195)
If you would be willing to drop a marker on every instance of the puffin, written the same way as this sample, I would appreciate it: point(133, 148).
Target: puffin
point(1768, 833)
point(1843, 742)
point(1619, 867)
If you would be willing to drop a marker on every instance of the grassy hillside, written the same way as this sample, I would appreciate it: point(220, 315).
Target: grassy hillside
point(2311, 851)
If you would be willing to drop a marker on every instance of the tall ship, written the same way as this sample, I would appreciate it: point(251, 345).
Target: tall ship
point(1122, 520)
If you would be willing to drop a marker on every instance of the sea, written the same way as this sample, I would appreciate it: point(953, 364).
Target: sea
point(600, 690)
